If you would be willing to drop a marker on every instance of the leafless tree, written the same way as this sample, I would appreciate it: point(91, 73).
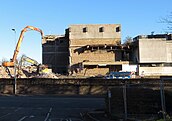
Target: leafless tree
point(127, 41)
point(3, 60)
point(167, 20)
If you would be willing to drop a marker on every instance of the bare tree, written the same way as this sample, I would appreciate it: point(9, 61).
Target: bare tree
point(127, 41)
point(167, 20)
point(3, 60)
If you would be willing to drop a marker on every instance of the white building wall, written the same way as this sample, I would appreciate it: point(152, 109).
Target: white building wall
point(127, 67)
point(152, 50)
point(149, 71)
point(169, 51)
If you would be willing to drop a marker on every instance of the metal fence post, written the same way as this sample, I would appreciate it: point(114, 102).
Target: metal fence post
point(163, 98)
point(109, 99)
point(125, 100)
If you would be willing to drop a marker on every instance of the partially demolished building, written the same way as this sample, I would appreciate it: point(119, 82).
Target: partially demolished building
point(96, 49)
point(86, 50)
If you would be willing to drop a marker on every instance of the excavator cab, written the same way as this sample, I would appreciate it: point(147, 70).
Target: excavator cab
point(8, 64)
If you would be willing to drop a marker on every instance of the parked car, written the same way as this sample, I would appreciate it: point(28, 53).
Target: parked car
point(119, 75)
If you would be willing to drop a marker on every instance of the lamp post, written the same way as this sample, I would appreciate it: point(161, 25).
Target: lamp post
point(15, 76)
point(14, 30)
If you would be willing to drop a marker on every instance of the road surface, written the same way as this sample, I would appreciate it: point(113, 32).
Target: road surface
point(47, 108)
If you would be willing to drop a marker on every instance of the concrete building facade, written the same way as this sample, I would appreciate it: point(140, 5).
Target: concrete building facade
point(95, 49)
point(153, 54)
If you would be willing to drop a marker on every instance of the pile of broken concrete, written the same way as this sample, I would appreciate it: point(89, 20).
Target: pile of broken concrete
point(24, 72)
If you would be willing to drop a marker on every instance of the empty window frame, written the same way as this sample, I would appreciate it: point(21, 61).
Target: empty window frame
point(101, 29)
point(85, 29)
point(118, 29)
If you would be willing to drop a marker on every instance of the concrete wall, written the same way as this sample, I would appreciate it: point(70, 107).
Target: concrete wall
point(63, 86)
point(152, 50)
point(96, 56)
point(169, 51)
point(92, 31)
point(157, 71)
point(72, 86)
point(98, 71)
point(93, 41)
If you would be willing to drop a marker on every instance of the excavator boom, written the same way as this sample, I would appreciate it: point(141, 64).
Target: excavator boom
point(40, 67)
point(11, 63)
point(24, 58)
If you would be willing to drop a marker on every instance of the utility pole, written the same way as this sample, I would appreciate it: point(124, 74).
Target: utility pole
point(15, 76)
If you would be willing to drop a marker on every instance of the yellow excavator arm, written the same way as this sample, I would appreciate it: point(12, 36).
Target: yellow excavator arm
point(40, 67)
point(25, 58)
point(12, 61)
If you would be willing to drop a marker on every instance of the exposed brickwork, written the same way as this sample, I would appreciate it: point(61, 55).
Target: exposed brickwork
point(88, 43)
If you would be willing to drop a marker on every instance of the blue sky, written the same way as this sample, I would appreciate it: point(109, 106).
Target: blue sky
point(54, 16)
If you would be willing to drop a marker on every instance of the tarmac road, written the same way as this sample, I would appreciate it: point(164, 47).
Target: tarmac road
point(47, 108)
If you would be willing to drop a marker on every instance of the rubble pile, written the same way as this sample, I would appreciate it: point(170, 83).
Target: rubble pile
point(6, 73)
point(25, 72)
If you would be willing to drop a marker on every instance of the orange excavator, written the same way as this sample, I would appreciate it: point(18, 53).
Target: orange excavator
point(13, 60)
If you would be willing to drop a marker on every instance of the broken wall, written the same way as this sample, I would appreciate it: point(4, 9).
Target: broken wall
point(93, 35)
point(56, 53)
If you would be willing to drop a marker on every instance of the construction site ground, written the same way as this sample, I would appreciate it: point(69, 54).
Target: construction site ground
point(24, 72)
point(28, 82)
